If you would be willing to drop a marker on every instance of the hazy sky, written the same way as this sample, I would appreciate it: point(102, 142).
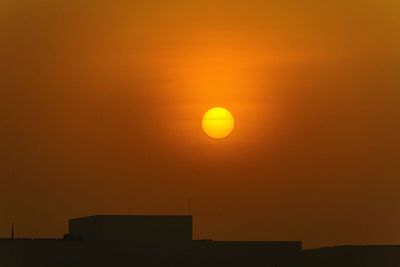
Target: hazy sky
point(101, 105)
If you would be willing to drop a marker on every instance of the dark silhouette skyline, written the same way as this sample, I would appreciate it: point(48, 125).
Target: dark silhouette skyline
point(139, 240)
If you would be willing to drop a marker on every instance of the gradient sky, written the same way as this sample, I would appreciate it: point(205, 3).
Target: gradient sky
point(101, 105)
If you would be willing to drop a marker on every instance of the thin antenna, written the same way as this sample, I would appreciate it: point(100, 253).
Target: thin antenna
point(12, 231)
point(189, 206)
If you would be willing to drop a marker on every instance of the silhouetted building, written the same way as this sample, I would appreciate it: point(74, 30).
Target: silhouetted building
point(132, 228)
point(167, 241)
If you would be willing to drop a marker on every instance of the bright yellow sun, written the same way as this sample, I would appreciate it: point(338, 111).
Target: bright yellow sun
point(218, 123)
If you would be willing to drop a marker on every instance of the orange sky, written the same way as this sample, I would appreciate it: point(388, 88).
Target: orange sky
point(101, 105)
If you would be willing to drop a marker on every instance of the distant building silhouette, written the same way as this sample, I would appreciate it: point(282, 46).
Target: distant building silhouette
point(132, 228)
point(133, 240)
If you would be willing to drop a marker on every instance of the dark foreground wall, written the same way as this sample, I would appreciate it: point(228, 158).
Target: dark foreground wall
point(352, 256)
point(62, 253)
point(15, 253)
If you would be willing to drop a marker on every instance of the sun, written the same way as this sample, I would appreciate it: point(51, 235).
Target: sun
point(218, 122)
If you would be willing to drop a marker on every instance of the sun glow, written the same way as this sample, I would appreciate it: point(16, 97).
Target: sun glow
point(218, 123)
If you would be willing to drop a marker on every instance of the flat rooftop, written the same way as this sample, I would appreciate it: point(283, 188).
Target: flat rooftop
point(133, 227)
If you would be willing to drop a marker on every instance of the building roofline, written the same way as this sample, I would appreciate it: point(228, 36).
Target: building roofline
point(131, 216)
